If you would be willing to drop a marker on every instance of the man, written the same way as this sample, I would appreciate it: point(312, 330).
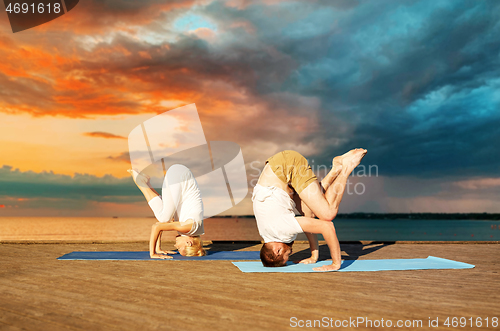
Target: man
point(288, 181)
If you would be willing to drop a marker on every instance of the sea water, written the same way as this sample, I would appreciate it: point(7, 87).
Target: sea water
point(417, 230)
point(242, 228)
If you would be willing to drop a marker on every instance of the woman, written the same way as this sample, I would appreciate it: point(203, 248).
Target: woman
point(181, 194)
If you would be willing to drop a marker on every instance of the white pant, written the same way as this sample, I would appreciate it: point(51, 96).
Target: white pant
point(180, 192)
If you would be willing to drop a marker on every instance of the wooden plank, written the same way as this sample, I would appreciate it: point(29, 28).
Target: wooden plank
point(40, 292)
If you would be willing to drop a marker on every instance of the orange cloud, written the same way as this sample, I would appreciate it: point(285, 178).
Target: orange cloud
point(102, 17)
point(103, 135)
point(92, 69)
point(71, 83)
point(89, 69)
point(60, 76)
point(205, 33)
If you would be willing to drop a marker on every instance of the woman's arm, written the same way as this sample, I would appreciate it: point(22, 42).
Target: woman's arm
point(158, 246)
point(328, 231)
point(157, 228)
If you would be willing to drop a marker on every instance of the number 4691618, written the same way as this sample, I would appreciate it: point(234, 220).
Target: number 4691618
point(41, 8)
point(472, 322)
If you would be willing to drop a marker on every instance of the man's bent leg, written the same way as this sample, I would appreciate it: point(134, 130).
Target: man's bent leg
point(328, 180)
point(304, 210)
point(325, 206)
point(332, 174)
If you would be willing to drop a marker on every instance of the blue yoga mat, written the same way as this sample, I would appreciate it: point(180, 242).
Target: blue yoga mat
point(136, 256)
point(430, 262)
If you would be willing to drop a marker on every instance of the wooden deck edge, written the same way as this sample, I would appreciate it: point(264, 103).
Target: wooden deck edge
point(208, 242)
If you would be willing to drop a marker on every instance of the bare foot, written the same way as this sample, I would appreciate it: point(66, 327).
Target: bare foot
point(139, 178)
point(352, 159)
point(328, 267)
point(337, 161)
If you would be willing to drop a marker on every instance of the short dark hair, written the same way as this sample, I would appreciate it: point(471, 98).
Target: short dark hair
point(271, 260)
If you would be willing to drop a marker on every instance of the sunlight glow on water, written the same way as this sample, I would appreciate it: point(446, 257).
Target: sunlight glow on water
point(243, 228)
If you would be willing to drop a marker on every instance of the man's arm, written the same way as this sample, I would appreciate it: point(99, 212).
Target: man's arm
point(157, 228)
point(327, 229)
point(313, 244)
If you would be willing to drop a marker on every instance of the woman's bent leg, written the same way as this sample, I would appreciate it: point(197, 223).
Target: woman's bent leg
point(164, 207)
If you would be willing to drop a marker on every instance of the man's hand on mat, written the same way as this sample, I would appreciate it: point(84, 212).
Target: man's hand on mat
point(309, 260)
point(160, 256)
point(328, 267)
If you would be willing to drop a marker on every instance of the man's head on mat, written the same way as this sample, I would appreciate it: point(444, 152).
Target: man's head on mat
point(189, 246)
point(275, 254)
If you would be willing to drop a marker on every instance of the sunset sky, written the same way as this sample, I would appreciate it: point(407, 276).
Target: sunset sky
point(416, 83)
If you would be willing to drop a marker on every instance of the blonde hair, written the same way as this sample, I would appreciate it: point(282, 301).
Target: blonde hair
point(196, 249)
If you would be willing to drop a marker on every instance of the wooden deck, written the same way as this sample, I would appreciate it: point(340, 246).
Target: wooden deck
point(38, 292)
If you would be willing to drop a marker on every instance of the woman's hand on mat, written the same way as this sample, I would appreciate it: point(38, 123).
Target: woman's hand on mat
point(328, 267)
point(160, 256)
point(160, 251)
point(309, 260)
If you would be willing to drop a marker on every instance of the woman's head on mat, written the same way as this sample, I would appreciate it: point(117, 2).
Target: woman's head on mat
point(275, 254)
point(189, 246)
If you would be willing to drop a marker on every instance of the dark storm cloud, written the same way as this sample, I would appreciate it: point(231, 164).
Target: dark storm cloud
point(416, 81)
point(104, 16)
point(189, 61)
point(435, 110)
point(413, 81)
